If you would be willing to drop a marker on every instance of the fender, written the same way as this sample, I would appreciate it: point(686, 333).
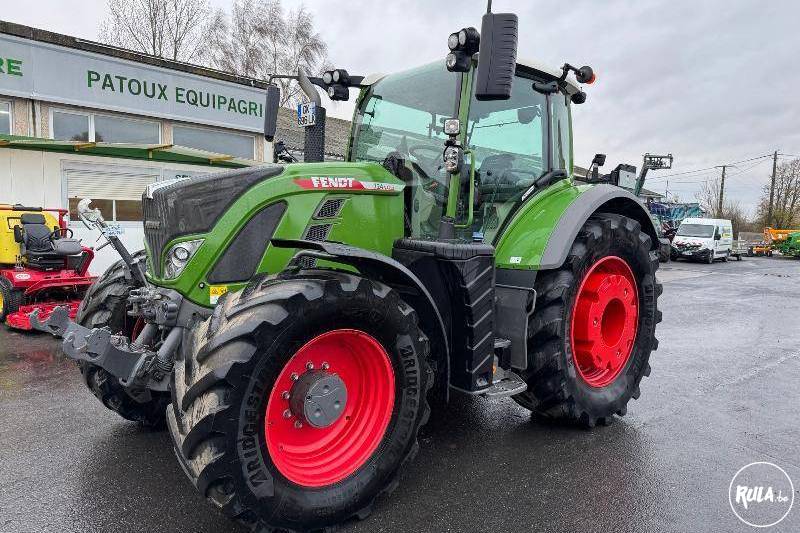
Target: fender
point(542, 230)
point(386, 270)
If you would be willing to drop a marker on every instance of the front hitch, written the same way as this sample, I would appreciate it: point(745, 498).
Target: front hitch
point(127, 361)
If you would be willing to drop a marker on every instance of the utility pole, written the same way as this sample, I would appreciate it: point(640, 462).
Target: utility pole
point(721, 192)
point(772, 188)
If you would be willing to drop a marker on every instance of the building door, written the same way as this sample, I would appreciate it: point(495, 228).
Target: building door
point(116, 189)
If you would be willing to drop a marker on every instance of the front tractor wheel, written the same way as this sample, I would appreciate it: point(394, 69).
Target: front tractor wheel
point(593, 328)
point(300, 399)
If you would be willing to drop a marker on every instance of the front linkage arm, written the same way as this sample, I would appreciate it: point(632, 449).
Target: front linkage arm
point(131, 361)
point(127, 361)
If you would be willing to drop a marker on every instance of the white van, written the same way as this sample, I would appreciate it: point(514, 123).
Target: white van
point(703, 239)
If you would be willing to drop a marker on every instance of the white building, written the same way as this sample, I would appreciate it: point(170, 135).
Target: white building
point(81, 119)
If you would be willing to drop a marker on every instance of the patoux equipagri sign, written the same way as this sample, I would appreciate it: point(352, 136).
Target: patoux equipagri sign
point(57, 74)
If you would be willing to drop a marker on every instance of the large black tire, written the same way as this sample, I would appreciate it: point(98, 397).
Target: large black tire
point(223, 381)
point(10, 299)
point(105, 306)
point(556, 389)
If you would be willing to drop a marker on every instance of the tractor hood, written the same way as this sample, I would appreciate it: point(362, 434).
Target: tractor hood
point(185, 206)
point(227, 220)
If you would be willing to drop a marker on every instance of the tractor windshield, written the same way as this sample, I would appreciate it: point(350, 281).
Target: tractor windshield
point(509, 140)
point(402, 117)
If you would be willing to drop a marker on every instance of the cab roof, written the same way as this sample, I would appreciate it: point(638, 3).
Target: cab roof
point(524, 63)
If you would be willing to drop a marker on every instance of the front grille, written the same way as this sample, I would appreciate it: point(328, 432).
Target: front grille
point(317, 233)
point(156, 233)
point(329, 208)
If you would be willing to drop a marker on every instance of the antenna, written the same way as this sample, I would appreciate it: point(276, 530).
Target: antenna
point(488, 6)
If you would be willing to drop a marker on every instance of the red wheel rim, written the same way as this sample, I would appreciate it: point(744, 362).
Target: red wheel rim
point(604, 321)
point(319, 456)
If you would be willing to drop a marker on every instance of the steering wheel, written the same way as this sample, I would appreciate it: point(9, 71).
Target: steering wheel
point(61, 233)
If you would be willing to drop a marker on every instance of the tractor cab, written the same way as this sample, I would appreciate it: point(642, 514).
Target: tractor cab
point(509, 145)
point(41, 265)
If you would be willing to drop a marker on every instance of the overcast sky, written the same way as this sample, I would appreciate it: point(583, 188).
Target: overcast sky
point(710, 81)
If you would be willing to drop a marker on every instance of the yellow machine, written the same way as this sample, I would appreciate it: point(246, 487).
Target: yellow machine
point(772, 239)
point(41, 265)
point(10, 216)
point(774, 236)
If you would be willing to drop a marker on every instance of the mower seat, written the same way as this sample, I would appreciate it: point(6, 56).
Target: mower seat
point(36, 246)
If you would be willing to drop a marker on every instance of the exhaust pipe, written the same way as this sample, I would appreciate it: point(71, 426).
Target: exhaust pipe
point(314, 135)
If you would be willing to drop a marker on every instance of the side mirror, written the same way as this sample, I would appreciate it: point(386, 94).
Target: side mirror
point(599, 160)
point(497, 57)
point(271, 111)
point(717, 236)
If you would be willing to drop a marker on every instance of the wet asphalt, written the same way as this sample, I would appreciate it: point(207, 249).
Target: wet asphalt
point(724, 392)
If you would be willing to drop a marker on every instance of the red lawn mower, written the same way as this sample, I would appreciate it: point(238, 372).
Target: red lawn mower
point(41, 265)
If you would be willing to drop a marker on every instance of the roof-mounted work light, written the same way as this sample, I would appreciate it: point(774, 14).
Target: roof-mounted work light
point(463, 45)
point(337, 82)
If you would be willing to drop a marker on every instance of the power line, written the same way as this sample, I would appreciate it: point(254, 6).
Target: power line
point(714, 174)
point(663, 176)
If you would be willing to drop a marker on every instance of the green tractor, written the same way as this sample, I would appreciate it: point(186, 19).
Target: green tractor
point(289, 322)
point(790, 246)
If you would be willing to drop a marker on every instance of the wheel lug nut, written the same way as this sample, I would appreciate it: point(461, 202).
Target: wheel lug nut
point(294, 376)
point(297, 424)
point(287, 414)
point(325, 366)
point(285, 395)
point(310, 365)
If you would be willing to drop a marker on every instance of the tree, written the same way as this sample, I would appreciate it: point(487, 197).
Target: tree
point(708, 197)
point(259, 39)
point(172, 29)
point(786, 204)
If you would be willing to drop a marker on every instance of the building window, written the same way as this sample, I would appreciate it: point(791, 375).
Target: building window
point(71, 126)
point(5, 118)
point(221, 142)
point(122, 130)
point(91, 127)
point(113, 210)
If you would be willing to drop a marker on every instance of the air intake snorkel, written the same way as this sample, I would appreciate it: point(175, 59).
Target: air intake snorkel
point(314, 135)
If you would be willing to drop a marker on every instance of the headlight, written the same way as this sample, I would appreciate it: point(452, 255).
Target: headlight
point(178, 257)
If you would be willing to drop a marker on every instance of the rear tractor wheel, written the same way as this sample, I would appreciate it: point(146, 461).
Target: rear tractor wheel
point(300, 399)
point(593, 328)
point(105, 305)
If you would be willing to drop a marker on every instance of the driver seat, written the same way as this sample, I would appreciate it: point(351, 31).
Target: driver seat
point(38, 249)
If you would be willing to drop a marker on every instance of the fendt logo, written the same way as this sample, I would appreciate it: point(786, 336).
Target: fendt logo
point(761, 494)
point(332, 182)
point(344, 182)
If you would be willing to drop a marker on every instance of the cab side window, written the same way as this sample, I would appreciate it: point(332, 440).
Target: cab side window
point(561, 130)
